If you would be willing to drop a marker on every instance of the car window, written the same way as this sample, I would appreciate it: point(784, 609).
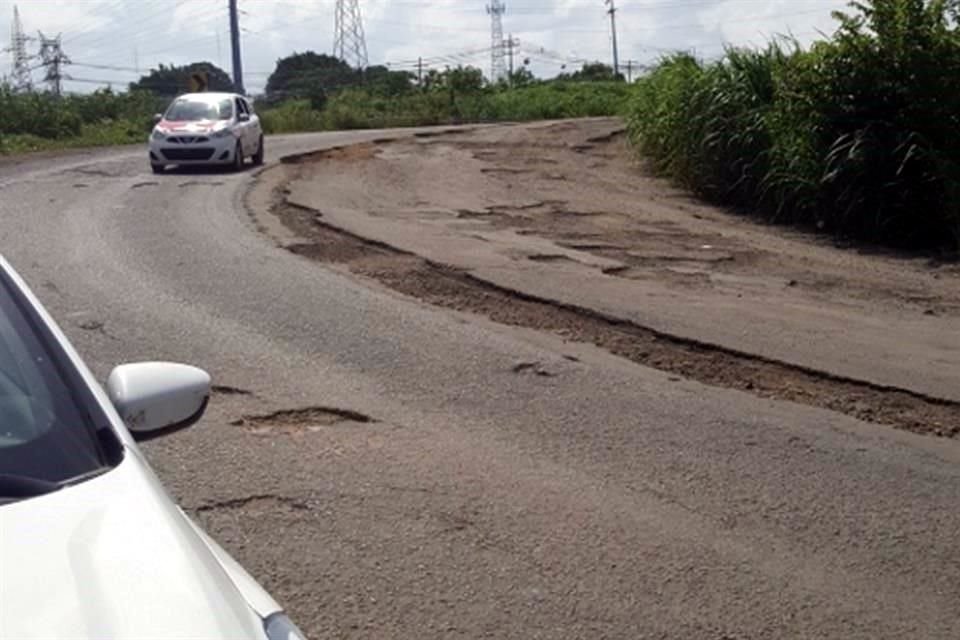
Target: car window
point(248, 106)
point(240, 107)
point(45, 432)
point(192, 110)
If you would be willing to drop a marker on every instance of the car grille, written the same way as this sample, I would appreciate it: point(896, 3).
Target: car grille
point(196, 153)
point(187, 139)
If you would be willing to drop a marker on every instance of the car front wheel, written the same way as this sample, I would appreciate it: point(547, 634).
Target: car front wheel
point(258, 156)
point(157, 168)
point(238, 158)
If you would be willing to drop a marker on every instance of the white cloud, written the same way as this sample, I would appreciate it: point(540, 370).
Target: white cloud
point(121, 33)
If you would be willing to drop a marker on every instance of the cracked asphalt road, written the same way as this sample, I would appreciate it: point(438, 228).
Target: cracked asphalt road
point(606, 500)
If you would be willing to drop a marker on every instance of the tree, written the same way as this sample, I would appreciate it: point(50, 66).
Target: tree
point(383, 81)
point(309, 75)
point(522, 77)
point(456, 80)
point(592, 72)
point(169, 81)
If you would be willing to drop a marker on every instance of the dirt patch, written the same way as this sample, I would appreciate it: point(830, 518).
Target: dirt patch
point(297, 421)
point(456, 289)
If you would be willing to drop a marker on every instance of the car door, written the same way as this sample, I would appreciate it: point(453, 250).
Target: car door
point(255, 129)
point(243, 125)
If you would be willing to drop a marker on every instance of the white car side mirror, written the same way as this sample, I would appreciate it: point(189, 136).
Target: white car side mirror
point(155, 398)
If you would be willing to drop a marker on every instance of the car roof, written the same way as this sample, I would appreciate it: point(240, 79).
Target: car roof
point(209, 96)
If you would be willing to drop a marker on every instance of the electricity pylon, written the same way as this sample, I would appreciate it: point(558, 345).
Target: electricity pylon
point(349, 43)
point(20, 78)
point(498, 65)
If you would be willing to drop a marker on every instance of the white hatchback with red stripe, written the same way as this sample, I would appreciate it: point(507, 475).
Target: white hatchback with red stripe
point(206, 128)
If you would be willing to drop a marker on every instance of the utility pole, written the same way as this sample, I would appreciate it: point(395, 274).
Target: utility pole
point(496, 9)
point(613, 31)
point(510, 57)
point(235, 47)
point(18, 50)
point(419, 71)
point(53, 59)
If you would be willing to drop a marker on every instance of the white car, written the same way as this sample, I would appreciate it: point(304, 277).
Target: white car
point(91, 546)
point(206, 128)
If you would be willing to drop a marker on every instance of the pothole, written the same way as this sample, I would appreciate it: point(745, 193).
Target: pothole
point(304, 420)
point(227, 390)
point(260, 500)
point(535, 368)
point(550, 257)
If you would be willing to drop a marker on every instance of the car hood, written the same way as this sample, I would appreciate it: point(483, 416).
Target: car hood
point(113, 557)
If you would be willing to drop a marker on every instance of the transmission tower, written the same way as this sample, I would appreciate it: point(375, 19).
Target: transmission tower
point(20, 78)
point(52, 58)
point(349, 43)
point(498, 65)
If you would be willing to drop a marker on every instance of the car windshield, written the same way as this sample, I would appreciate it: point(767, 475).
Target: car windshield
point(191, 110)
point(45, 433)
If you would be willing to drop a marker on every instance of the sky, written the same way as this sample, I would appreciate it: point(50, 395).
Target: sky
point(115, 41)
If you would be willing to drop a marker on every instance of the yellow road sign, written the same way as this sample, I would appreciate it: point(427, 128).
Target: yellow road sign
point(198, 81)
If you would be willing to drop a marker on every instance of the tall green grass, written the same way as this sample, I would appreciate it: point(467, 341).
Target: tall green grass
point(859, 135)
point(36, 121)
point(362, 109)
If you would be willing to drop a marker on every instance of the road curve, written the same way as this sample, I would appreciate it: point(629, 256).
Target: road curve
point(601, 499)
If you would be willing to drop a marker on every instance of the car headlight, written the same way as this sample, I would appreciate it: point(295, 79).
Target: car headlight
point(158, 135)
point(223, 133)
point(280, 627)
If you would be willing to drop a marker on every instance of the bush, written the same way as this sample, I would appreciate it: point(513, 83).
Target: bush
point(292, 116)
point(858, 136)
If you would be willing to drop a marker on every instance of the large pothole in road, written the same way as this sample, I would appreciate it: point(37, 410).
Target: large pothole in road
point(296, 421)
point(453, 288)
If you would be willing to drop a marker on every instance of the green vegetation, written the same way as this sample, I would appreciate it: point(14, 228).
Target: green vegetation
point(33, 121)
point(858, 136)
point(367, 109)
point(307, 92)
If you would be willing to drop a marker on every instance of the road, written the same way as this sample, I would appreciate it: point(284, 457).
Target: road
point(469, 495)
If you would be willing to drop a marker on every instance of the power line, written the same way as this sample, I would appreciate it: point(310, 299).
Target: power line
point(111, 40)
